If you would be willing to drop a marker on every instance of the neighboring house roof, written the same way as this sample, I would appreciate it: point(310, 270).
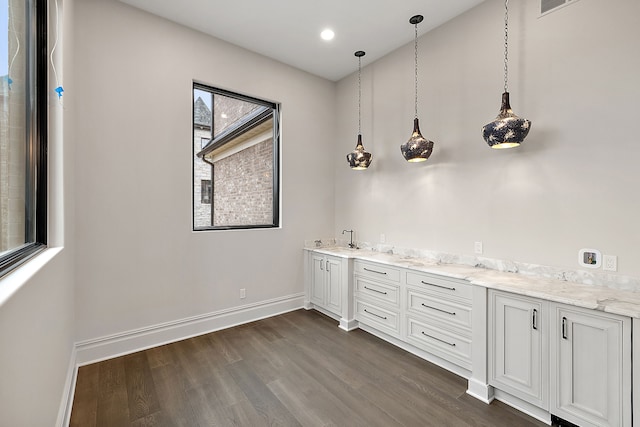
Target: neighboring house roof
point(201, 114)
point(252, 121)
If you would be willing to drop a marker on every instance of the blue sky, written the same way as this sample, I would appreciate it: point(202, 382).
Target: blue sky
point(206, 96)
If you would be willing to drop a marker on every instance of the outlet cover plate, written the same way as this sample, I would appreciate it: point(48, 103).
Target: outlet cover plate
point(610, 262)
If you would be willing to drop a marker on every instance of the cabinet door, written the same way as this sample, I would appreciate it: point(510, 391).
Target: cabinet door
point(317, 280)
point(590, 367)
point(333, 271)
point(518, 354)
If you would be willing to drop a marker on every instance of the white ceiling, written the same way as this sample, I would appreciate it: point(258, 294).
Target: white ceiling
point(289, 30)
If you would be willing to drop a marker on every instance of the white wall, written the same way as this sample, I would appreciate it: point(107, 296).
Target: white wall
point(572, 184)
point(139, 263)
point(37, 321)
point(121, 169)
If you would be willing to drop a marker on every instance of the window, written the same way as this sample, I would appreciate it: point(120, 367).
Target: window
point(235, 172)
point(205, 191)
point(23, 130)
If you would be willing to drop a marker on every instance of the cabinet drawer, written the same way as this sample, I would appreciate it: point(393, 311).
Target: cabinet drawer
point(433, 338)
point(449, 312)
point(439, 285)
point(382, 291)
point(376, 271)
point(380, 318)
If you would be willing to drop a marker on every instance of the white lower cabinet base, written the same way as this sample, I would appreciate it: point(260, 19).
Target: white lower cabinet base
point(429, 357)
point(480, 390)
point(523, 406)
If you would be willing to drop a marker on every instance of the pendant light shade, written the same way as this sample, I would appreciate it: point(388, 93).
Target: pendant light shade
point(417, 148)
point(507, 130)
point(359, 159)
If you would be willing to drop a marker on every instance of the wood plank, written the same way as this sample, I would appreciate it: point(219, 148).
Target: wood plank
point(141, 390)
point(298, 368)
point(262, 399)
point(113, 401)
point(160, 356)
point(172, 397)
point(85, 399)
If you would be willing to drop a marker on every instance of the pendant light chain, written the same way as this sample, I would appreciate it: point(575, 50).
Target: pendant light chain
point(506, 43)
point(416, 76)
point(359, 94)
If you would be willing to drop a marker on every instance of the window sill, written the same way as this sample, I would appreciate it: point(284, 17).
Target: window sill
point(17, 278)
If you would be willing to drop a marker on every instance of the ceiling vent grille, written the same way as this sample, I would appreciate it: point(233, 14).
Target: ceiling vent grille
point(547, 6)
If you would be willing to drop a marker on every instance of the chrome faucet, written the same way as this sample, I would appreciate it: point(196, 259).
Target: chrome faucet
point(351, 245)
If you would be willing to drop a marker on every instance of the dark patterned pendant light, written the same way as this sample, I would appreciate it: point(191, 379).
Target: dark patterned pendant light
point(359, 159)
point(417, 148)
point(507, 130)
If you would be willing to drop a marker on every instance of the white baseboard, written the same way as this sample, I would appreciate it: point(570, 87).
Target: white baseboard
point(480, 390)
point(95, 350)
point(64, 413)
point(349, 325)
point(522, 406)
point(432, 358)
point(325, 312)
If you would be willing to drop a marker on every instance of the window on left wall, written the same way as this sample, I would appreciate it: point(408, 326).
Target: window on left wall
point(23, 130)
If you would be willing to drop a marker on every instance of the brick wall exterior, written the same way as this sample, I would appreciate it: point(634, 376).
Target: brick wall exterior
point(243, 187)
point(201, 171)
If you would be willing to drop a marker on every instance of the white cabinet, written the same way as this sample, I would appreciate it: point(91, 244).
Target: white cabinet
point(377, 296)
point(326, 282)
point(573, 362)
point(590, 367)
point(542, 357)
point(438, 317)
point(518, 353)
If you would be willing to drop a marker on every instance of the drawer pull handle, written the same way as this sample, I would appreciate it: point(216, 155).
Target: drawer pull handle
point(375, 290)
point(377, 315)
point(438, 339)
point(437, 286)
point(535, 319)
point(374, 271)
point(439, 309)
point(564, 328)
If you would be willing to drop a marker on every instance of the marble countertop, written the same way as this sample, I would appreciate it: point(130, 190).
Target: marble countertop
point(616, 301)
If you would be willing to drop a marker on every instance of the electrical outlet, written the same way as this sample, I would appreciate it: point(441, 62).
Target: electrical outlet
point(383, 238)
point(243, 293)
point(478, 248)
point(610, 262)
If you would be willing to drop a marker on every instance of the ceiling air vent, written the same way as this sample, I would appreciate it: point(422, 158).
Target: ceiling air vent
point(547, 6)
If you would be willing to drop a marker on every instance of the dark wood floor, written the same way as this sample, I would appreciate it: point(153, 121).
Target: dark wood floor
point(289, 370)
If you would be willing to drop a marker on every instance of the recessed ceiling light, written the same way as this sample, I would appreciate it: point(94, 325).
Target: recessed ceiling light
point(327, 34)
